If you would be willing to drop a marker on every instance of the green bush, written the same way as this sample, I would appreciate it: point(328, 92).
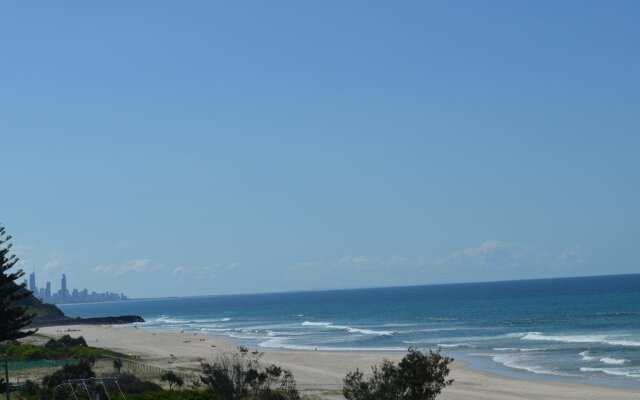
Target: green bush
point(64, 348)
point(419, 376)
point(65, 342)
point(132, 384)
point(175, 395)
point(26, 352)
point(29, 388)
point(241, 376)
point(49, 383)
point(173, 379)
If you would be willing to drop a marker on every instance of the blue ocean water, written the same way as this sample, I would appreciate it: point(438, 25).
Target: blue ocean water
point(585, 328)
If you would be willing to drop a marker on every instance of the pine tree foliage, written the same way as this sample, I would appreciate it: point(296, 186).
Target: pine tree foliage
point(13, 317)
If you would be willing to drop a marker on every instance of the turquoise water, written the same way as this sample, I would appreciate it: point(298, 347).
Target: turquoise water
point(571, 328)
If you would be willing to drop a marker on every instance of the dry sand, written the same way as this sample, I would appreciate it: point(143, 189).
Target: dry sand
point(318, 372)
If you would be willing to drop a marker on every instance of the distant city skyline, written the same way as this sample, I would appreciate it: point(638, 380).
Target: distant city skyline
point(64, 296)
point(232, 147)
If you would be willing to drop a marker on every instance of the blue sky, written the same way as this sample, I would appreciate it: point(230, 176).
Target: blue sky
point(169, 148)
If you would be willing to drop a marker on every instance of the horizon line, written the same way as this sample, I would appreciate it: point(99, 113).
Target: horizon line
point(372, 287)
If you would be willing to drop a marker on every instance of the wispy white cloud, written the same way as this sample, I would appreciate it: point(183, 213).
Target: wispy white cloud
point(24, 252)
point(213, 270)
point(145, 265)
point(492, 254)
point(179, 272)
point(574, 255)
point(131, 266)
point(56, 260)
point(142, 265)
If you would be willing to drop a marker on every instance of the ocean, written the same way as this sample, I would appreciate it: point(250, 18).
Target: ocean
point(582, 329)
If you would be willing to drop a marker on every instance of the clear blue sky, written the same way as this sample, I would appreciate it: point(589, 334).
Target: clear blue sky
point(182, 148)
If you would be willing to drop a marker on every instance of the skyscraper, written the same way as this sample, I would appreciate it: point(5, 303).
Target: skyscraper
point(47, 291)
point(32, 283)
point(63, 288)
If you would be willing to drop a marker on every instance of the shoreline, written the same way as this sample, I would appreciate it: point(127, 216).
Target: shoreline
point(323, 371)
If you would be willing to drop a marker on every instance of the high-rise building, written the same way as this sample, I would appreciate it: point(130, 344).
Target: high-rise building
point(63, 288)
point(67, 296)
point(32, 283)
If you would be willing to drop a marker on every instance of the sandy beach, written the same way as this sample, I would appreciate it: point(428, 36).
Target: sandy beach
point(316, 372)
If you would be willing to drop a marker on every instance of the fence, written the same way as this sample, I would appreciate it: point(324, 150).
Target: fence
point(151, 371)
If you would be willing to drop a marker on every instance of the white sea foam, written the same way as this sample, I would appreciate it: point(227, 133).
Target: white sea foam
point(516, 363)
point(281, 343)
point(581, 339)
point(165, 319)
point(523, 350)
point(428, 330)
point(628, 372)
point(585, 356)
point(309, 323)
point(454, 345)
point(366, 331)
point(168, 320)
point(212, 329)
point(609, 360)
point(465, 340)
point(398, 325)
point(285, 333)
point(349, 329)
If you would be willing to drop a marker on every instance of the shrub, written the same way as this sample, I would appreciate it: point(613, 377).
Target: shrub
point(172, 379)
point(241, 376)
point(132, 384)
point(28, 352)
point(80, 371)
point(419, 376)
point(64, 342)
point(117, 365)
point(30, 388)
point(174, 395)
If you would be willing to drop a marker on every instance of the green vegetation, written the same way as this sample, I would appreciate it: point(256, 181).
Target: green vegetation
point(172, 379)
point(42, 312)
point(175, 395)
point(117, 365)
point(61, 349)
point(419, 376)
point(241, 376)
point(50, 382)
point(131, 384)
point(13, 316)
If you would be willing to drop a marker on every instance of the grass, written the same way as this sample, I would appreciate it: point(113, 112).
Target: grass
point(54, 350)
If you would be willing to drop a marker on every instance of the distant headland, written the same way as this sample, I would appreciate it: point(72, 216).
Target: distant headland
point(49, 314)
